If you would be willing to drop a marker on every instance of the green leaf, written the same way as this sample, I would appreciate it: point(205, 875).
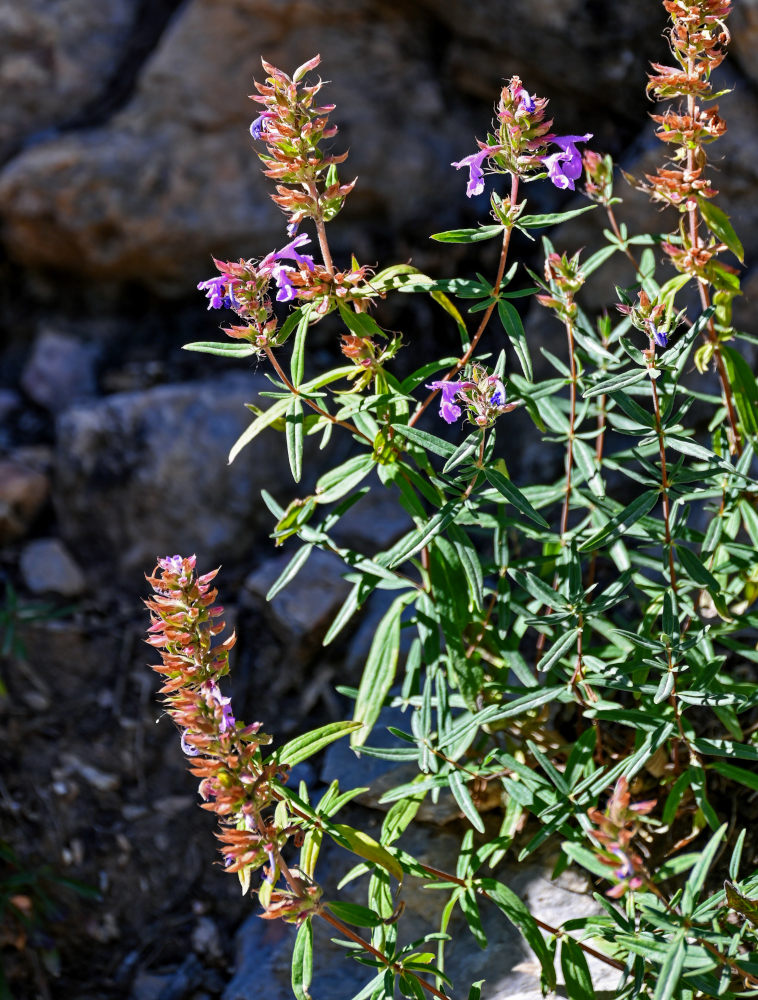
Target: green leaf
point(514, 496)
point(744, 388)
point(294, 435)
point(302, 961)
point(513, 326)
point(551, 219)
point(668, 980)
point(699, 873)
point(353, 913)
point(617, 382)
point(463, 798)
point(335, 483)
point(515, 910)
point(718, 222)
point(468, 235)
point(741, 904)
point(587, 465)
point(422, 536)
point(274, 412)
point(576, 972)
point(695, 569)
point(430, 442)
point(622, 521)
point(379, 671)
point(749, 778)
point(475, 993)
point(305, 746)
point(367, 848)
point(290, 571)
point(297, 362)
point(222, 349)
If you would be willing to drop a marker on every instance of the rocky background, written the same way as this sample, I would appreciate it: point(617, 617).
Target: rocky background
point(125, 163)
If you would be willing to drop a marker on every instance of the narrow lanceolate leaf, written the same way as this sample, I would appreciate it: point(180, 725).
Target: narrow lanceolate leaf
point(302, 961)
point(223, 350)
point(297, 364)
point(305, 746)
point(718, 222)
point(668, 981)
point(263, 420)
point(366, 847)
point(587, 465)
point(619, 524)
point(551, 219)
point(617, 382)
point(290, 571)
point(518, 914)
point(379, 671)
point(514, 496)
point(294, 436)
point(576, 972)
point(354, 913)
point(695, 568)
point(468, 235)
point(416, 540)
point(429, 442)
point(513, 326)
point(697, 876)
point(463, 798)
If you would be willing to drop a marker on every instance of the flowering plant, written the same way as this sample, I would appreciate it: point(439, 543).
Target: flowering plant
point(581, 649)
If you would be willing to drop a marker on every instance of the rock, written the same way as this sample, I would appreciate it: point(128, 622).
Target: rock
point(375, 522)
point(48, 567)
point(172, 178)
point(743, 24)
point(55, 57)
point(142, 474)
point(23, 492)
point(303, 610)
point(60, 371)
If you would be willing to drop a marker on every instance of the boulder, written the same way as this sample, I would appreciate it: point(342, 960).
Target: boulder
point(142, 474)
point(48, 567)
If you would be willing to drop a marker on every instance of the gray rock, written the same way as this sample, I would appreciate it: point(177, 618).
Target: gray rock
point(743, 24)
point(142, 474)
point(60, 371)
point(306, 606)
point(23, 492)
point(55, 57)
point(375, 522)
point(48, 567)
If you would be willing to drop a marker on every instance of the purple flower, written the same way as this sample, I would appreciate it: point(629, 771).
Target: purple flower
point(188, 748)
point(289, 252)
point(215, 290)
point(475, 173)
point(565, 167)
point(286, 291)
point(498, 396)
point(259, 125)
point(661, 337)
point(449, 410)
point(526, 103)
point(171, 564)
point(214, 697)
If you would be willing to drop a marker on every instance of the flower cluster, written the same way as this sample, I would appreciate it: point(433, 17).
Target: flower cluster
point(235, 782)
point(648, 315)
point(520, 144)
point(483, 395)
point(564, 278)
point(293, 127)
point(617, 826)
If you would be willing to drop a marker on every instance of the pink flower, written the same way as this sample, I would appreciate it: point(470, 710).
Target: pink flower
point(449, 410)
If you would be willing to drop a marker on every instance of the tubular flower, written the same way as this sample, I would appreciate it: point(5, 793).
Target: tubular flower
point(475, 172)
point(449, 410)
point(565, 167)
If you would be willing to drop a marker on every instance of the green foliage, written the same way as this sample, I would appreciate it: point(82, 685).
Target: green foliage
point(619, 593)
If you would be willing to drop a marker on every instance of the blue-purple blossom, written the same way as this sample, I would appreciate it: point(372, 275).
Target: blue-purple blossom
point(215, 290)
point(289, 252)
point(565, 167)
point(214, 697)
point(188, 748)
point(259, 125)
point(498, 396)
point(286, 291)
point(526, 103)
point(449, 410)
point(661, 337)
point(475, 173)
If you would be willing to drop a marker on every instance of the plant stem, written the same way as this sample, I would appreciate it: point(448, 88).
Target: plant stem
point(664, 475)
point(321, 230)
point(487, 314)
point(314, 406)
